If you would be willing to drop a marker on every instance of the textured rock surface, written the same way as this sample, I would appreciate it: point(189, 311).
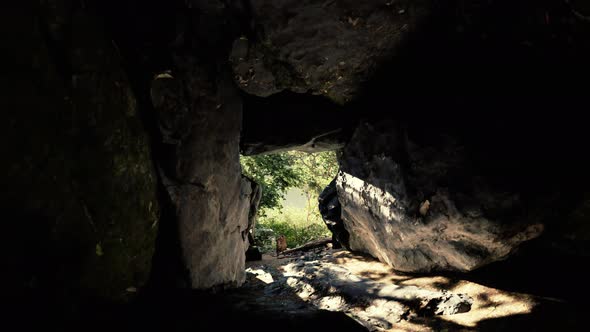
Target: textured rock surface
point(336, 288)
point(337, 281)
point(331, 212)
point(210, 197)
point(325, 47)
point(419, 207)
point(79, 190)
point(291, 121)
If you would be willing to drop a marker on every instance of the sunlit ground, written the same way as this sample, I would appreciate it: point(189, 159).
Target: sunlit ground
point(488, 302)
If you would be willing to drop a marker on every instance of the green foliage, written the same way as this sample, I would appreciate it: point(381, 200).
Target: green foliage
point(276, 173)
point(316, 170)
point(295, 225)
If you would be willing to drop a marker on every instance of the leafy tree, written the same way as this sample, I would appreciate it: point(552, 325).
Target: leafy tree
point(316, 171)
point(278, 172)
point(275, 173)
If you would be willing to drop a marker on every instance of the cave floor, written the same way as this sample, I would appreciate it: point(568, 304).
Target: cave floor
point(298, 285)
point(335, 290)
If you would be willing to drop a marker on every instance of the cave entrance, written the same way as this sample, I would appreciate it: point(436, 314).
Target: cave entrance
point(291, 182)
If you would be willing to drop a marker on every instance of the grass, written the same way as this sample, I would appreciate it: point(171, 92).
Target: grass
point(295, 224)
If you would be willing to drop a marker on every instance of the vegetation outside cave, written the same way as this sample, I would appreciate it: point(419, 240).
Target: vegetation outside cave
point(291, 183)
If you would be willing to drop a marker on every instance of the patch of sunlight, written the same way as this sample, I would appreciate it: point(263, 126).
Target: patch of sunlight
point(490, 303)
point(303, 289)
point(261, 275)
point(357, 188)
point(332, 303)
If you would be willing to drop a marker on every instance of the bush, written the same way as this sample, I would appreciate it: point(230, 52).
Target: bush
point(295, 224)
point(265, 239)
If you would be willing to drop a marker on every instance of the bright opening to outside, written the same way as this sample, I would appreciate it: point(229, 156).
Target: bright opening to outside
point(291, 183)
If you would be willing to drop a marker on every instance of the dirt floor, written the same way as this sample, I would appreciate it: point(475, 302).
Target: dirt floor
point(335, 290)
point(300, 281)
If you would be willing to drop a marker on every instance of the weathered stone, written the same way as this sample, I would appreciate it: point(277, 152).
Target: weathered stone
point(79, 189)
point(291, 121)
point(253, 254)
point(384, 182)
point(255, 198)
point(325, 47)
point(331, 212)
point(333, 287)
point(211, 199)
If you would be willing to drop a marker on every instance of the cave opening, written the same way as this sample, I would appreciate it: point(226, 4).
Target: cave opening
point(461, 198)
point(291, 184)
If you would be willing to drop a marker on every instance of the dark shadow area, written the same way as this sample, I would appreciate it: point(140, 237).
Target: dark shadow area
point(545, 317)
point(181, 310)
point(293, 120)
point(502, 78)
point(505, 79)
point(539, 270)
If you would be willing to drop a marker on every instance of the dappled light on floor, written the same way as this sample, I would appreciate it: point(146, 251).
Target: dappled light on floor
point(379, 298)
point(488, 302)
point(261, 275)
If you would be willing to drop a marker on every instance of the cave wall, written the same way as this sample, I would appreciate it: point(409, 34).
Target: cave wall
point(203, 177)
point(116, 130)
point(327, 48)
point(79, 190)
point(128, 116)
point(469, 143)
point(420, 207)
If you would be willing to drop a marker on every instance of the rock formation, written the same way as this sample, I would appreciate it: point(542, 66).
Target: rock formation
point(325, 47)
point(331, 211)
point(292, 121)
point(211, 199)
point(424, 200)
point(124, 129)
point(79, 188)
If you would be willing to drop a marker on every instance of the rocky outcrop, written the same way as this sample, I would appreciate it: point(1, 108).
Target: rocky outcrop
point(202, 176)
point(325, 47)
point(253, 253)
point(448, 191)
point(178, 57)
point(254, 205)
point(79, 189)
point(331, 211)
point(293, 121)
point(419, 205)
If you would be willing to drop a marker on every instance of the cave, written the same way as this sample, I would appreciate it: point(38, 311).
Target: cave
point(459, 126)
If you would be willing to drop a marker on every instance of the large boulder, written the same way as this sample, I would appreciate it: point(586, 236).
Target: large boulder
point(428, 198)
point(210, 198)
point(323, 47)
point(331, 211)
point(79, 190)
point(293, 121)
